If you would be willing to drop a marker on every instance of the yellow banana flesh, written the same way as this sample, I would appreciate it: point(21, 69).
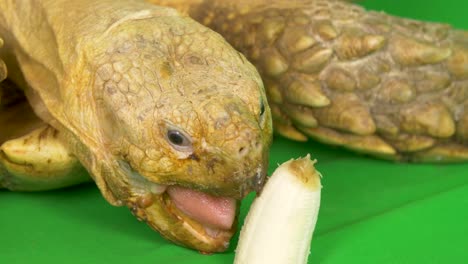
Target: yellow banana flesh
point(281, 221)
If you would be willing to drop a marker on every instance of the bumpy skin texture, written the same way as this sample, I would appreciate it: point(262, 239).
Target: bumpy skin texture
point(377, 84)
point(113, 77)
point(38, 161)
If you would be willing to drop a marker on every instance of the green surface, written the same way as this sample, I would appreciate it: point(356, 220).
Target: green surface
point(372, 211)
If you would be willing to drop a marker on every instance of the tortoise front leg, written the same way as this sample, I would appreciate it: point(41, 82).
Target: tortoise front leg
point(31, 161)
point(373, 83)
point(38, 161)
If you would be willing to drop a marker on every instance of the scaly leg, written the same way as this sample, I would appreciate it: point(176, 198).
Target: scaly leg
point(374, 83)
point(38, 161)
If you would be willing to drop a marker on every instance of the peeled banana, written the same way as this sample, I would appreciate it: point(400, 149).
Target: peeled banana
point(281, 221)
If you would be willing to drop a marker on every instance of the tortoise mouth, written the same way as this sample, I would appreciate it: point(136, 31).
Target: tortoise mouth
point(188, 217)
point(213, 226)
point(211, 211)
point(202, 220)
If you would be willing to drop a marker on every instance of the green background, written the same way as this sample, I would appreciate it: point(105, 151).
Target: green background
point(372, 211)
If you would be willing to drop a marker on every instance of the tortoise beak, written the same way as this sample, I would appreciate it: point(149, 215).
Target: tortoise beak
point(197, 218)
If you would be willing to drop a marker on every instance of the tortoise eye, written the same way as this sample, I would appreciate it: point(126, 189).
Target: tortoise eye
point(176, 138)
point(179, 140)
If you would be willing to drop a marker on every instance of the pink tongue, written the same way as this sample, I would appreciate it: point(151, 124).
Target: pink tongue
point(212, 211)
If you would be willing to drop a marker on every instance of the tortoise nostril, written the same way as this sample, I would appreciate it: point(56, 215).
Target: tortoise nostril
point(258, 145)
point(243, 151)
point(252, 146)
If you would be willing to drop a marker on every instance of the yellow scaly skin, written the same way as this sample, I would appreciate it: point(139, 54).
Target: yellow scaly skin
point(114, 77)
point(390, 87)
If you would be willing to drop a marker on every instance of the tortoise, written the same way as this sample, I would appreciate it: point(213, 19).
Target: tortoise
point(171, 121)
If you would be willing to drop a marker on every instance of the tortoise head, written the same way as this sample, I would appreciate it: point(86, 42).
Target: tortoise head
point(185, 128)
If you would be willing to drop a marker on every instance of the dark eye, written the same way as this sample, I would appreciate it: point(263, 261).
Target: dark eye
point(176, 138)
point(179, 140)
